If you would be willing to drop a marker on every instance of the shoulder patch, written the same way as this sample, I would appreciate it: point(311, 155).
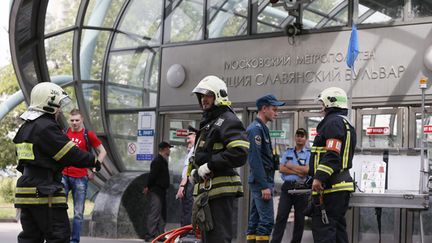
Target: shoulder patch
point(219, 122)
point(257, 124)
point(258, 140)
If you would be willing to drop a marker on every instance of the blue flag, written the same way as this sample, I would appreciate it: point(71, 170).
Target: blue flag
point(353, 49)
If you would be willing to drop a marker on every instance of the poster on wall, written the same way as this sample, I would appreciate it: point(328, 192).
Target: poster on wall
point(373, 176)
point(145, 135)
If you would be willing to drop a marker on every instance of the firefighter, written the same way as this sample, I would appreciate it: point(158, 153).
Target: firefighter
point(262, 169)
point(43, 150)
point(331, 159)
point(221, 147)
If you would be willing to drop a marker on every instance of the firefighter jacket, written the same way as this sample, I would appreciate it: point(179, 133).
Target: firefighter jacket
point(222, 144)
point(260, 156)
point(333, 151)
point(43, 150)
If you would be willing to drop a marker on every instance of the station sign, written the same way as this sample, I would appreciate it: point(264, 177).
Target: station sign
point(378, 131)
point(427, 129)
point(277, 134)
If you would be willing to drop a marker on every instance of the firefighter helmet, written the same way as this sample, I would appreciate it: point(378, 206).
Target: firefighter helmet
point(334, 97)
point(215, 85)
point(45, 97)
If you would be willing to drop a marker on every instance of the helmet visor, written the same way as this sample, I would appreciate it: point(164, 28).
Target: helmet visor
point(201, 91)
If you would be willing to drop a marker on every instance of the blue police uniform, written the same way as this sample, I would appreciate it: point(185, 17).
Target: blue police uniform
point(287, 201)
point(262, 169)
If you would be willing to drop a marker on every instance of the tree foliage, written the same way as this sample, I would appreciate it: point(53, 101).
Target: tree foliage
point(10, 123)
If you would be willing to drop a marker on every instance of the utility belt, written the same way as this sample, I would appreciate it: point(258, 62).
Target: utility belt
point(38, 172)
point(290, 185)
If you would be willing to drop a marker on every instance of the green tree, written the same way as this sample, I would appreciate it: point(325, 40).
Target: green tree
point(10, 123)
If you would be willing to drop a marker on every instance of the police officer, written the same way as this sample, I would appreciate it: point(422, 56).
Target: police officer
point(332, 154)
point(262, 169)
point(43, 150)
point(294, 169)
point(221, 146)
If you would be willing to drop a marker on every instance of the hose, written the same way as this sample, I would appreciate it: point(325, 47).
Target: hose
point(175, 233)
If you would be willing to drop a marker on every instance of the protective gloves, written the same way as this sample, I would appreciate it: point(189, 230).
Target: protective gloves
point(203, 170)
point(194, 178)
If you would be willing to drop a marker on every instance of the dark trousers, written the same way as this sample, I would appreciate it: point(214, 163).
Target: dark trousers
point(286, 202)
point(336, 205)
point(186, 205)
point(222, 210)
point(39, 224)
point(155, 221)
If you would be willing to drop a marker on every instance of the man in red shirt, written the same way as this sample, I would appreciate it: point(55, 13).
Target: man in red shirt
point(76, 179)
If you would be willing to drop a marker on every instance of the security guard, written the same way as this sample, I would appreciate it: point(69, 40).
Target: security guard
point(294, 168)
point(221, 146)
point(42, 151)
point(262, 168)
point(332, 154)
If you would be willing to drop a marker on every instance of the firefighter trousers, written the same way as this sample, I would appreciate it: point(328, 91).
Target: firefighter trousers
point(336, 205)
point(40, 224)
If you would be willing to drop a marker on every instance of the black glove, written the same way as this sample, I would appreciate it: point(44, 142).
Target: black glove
point(98, 165)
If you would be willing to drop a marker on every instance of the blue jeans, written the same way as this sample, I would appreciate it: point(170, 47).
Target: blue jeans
point(261, 215)
point(79, 191)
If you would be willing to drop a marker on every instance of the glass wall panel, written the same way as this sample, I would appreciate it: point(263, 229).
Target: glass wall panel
point(120, 96)
point(368, 229)
point(61, 14)
point(128, 41)
point(184, 21)
point(123, 129)
point(137, 73)
point(421, 8)
point(418, 125)
point(92, 98)
point(311, 124)
point(380, 131)
point(271, 18)
point(325, 13)
point(179, 151)
point(227, 18)
point(93, 47)
point(58, 51)
point(102, 13)
point(371, 11)
point(144, 18)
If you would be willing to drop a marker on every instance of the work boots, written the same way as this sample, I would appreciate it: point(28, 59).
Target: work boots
point(262, 239)
point(250, 238)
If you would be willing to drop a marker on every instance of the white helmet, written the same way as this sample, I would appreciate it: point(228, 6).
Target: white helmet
point(334, 97)
point(215, 85)
point(45, 97)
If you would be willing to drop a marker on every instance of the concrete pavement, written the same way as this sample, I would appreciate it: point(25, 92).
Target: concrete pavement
point(9, 232)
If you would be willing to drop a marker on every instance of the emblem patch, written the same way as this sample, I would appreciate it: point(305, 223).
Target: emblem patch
point(258, 140)
point(219, 122)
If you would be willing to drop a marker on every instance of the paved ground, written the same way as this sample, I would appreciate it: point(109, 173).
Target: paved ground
point(9, 232)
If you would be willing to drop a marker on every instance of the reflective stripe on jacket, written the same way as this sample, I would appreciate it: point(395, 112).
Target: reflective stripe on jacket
point(331, 165)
